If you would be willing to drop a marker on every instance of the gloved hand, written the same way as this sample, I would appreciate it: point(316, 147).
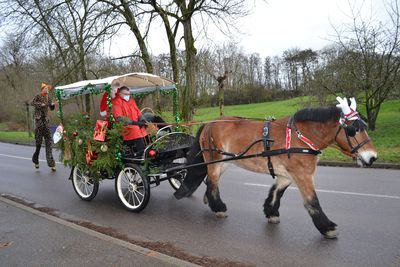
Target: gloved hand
point(138, 123)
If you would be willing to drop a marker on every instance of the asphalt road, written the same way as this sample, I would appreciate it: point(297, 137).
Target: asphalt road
point(365, 203)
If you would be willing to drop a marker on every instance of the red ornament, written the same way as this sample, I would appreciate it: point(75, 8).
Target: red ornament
point(152, 153)
point(75, 133)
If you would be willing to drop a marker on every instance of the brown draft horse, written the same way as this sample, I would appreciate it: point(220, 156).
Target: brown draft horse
point(323, 126)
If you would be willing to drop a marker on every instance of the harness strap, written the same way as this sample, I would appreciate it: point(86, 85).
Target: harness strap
point(267, 147)
point(299, 135)
point(288, 134)
point(297, 150)
point(355, 149)
point(306, 140)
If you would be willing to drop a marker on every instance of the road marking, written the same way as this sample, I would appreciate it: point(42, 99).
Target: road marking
point(262, 185)
point(334, 192)
point(17, 157)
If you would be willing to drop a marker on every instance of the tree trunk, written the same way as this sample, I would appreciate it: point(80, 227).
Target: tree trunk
point(131, 21)
point(189, 94)
point(372, 114)
point(221, 100)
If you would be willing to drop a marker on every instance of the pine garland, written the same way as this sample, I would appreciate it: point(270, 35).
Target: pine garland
point(78, 138)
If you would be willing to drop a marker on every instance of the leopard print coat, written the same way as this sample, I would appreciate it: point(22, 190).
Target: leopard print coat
point(42, 131)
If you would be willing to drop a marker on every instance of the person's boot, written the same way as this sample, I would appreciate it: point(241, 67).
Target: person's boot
point(35, 160)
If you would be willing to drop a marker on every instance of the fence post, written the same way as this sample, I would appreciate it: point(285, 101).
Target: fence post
point(28, 118)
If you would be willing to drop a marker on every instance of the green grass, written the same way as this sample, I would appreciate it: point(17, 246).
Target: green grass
point(17, 137)
point(386, 137)
point(275, 109)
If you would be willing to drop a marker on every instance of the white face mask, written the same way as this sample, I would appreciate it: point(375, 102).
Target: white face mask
point(126, 97)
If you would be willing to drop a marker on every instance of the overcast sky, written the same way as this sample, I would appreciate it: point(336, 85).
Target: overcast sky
point(275, 26)
point(282, 24)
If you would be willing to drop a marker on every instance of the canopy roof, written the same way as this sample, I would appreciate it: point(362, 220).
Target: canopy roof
point(138, 83)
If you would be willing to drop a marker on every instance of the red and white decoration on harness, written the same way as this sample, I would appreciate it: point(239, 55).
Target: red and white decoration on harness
point(301, 137)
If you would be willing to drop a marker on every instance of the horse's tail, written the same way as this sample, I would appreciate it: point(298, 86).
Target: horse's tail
point(194, 175)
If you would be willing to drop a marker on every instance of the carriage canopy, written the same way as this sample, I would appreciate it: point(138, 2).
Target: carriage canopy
point(138, 83)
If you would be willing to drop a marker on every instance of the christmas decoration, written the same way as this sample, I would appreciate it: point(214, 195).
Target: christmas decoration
point(76, 151)
point(100, 130)
point(90, 155)
point(104, 148)
point(58, 134)
point(101, 164)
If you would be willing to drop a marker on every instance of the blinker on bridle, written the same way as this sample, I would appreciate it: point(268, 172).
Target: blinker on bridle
point(351, 130)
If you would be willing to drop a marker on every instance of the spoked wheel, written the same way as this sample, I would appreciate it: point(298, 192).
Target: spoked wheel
point(176, 180)
point(133, 188)
point(85, 187)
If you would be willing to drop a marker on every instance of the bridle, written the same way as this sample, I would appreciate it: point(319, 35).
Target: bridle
point(350, 131)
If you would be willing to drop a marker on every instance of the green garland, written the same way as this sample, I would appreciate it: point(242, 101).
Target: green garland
point(60, 94)
point(78, 138)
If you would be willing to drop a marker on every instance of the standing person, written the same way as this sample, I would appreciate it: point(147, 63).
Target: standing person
point(42, 103)
point(125, 109)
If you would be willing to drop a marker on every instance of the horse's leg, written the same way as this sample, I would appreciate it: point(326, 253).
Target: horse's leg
point(272, 203)
point(311, 203)
point(211, 197)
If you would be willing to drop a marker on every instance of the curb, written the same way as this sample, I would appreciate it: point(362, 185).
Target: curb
point(354, 165)
point(142, 250)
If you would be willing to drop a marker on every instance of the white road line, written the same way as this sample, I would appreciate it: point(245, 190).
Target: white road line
point(334, 192)
point(17, 157)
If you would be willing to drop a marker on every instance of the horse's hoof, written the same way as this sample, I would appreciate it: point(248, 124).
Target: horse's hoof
point(331, 234)
point(274, 220)
point(221, 214)
point(205, 200)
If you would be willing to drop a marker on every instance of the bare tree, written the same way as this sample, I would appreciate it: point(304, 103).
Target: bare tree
point(75, 28)
point(370, 50)
point(184, 13)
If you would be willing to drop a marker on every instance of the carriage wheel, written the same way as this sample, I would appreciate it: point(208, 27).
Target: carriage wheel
point(177, 180)
point(85, 187)
point(133, 188)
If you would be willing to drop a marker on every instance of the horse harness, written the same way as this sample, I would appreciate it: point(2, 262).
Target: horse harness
point(288, 149)
point(267, 142)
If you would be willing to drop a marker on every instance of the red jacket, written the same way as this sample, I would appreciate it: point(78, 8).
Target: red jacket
point(129, 109)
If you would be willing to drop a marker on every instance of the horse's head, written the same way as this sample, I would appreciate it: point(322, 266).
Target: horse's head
point(352, 135)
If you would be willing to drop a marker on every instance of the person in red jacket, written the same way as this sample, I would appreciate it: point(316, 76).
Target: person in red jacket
point(125, 110)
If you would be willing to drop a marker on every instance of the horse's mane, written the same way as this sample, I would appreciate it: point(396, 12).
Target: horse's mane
point(322, 114)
